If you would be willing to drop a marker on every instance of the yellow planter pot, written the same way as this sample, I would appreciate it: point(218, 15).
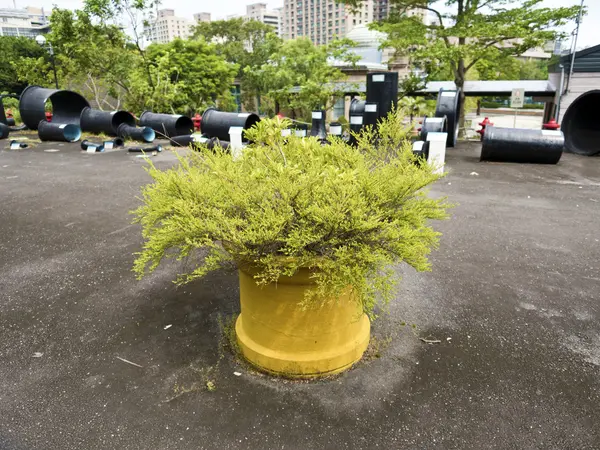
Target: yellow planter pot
point(277, 335)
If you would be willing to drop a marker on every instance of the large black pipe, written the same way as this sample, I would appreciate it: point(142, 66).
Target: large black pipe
point(581, 125)
point(357, 107)
point(371, 114)
point(96, 121)
point(4, 131)
point(433, 125)
point(522, 146)
point(53, 131)
point(167, 125)
point(317, 128)
point(356, 124)
point(144, 134)
point(421, 149)
point(217, 123)
point(448, 105)
point(66, 106)
point(382, 88)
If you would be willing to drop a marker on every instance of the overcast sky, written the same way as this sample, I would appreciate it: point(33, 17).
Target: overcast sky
point(219, 9)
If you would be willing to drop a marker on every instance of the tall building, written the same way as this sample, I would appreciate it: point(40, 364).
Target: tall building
point(23, 22)
point(202, 17)
point(167, 27)
point(259, 11)
point(323, 20)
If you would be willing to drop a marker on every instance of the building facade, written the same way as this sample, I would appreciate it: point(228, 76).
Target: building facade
point(259, 11)
point(28, 22)
point(202, 17)
point(167, 27)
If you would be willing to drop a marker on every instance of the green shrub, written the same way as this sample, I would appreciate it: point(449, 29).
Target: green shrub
point(347, 212)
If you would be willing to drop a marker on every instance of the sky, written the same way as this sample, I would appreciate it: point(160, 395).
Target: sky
point(588, 35)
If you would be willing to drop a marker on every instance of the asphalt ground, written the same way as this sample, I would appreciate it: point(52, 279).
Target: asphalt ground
point(514, 298)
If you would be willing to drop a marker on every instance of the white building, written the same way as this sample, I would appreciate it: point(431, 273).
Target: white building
point(202, 17)
point(23, 22)
point(325, 20)
point(259, 11)
point(167, 27)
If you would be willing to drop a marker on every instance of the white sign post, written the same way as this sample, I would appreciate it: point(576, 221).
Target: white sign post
point(517, 100)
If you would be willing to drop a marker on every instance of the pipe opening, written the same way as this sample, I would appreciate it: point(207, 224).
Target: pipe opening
point(581, 125)
point(72, 133)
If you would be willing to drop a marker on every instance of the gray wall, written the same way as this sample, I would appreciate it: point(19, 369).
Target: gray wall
point(580, 83)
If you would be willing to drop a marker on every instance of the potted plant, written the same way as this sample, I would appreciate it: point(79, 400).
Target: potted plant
point(313, 229)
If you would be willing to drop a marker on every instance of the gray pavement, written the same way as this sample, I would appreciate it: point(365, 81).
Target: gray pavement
point(514, 297)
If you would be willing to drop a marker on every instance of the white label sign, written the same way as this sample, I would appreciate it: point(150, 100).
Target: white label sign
point(356, 120)
point(108, 144)
point(551, 133)
point(91, 149)
point(336, 130)
point(317, 115)
point(435, 119)
point(371, 107)
point(517, 99)
point(448, 93)
point(378, 78)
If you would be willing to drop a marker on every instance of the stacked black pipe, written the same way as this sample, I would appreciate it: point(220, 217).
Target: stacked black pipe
point(382, 88)
point(168, 125)
point(371, 114)
point(433, 125)
point(448, 105)
point(216, 124)
point(96, 121)
point(522, 146)
point(317, 128)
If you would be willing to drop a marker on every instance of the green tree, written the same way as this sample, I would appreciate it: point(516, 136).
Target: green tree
point(186, 76)
point(465, 32)
point(300, 77)
point(247, 43)
point(12, 50)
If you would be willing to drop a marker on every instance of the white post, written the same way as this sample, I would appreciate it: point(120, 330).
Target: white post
point(437, 150)
point(235, 141)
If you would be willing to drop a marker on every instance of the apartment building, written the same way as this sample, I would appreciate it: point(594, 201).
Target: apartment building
point(28, 22)
point(202, 17)
point(167, 27)
point(259, 11)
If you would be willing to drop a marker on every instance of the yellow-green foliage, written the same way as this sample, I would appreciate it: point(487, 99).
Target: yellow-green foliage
point(288, 202)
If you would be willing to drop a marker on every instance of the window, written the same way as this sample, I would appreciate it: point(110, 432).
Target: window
point(339, 108)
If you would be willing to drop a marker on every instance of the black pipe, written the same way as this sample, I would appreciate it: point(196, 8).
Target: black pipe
point(4, 131)
point(216, 142)
point(85, 144)
point(167, 125)
point(335, 129)
point(581, 125)
point(448, 105)
point(217, 123)
point(382, 88)
point(10, 121)
point(522, 146)
point(317, 128)
point(356, 124)
point(357, 107)
point(113, 143)
point(66, 106)
point(183, 141)
point(144, 134)
point(54, 131)
point(421, 149)
point(300, 129)
point(371, 114)
point(156, 148)
point(433, 125)
point(96, 121)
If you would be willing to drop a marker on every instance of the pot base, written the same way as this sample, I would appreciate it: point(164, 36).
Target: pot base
point(277, 335)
